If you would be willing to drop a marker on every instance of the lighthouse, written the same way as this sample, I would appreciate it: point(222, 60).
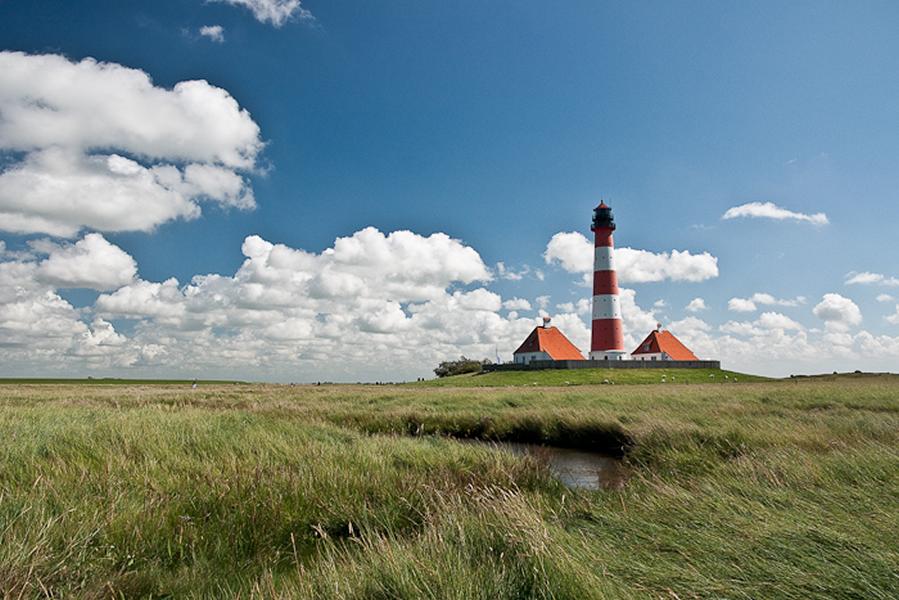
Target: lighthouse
point(607, 339)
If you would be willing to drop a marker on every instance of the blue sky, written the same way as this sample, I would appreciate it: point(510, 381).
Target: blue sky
point(499, 124)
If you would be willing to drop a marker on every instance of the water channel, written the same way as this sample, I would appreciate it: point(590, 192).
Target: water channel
point(574, 468)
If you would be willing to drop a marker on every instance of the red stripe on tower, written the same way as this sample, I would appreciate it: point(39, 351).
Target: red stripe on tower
point(607, 340)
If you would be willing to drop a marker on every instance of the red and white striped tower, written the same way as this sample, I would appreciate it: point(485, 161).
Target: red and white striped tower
point(607, 341)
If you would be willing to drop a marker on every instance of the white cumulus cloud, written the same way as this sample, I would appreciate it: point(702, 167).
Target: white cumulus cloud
point(276, 12)
point(752, 303)
point(40, 330)
point(369, 301)
point(769, 210)
point(641, 266)
point(894, 318)
point(144, 299)
point(688, 326)
point(741, 305)
point(696, 305)
point(571, 250)
point(102, 147)
point(574, 253)
point(517, 304)
point(868, 278)
point(216, 33)
point(838, 312)
point(775, 320)
point(91, 262)
point(504, 272)
point(767, 322)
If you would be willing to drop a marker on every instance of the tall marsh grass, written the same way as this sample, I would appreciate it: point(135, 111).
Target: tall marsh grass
point(781, 489)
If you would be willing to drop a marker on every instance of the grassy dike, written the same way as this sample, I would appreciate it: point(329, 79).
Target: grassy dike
point(566, 377)
point(785, 489)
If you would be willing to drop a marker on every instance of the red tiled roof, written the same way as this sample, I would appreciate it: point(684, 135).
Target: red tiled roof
point(664, 341)
point(553, 342)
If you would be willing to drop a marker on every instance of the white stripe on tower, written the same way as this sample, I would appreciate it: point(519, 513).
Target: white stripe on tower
point(606, 306)
point(603, 259)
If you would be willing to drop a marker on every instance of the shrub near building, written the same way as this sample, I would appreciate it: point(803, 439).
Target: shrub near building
point(460, 367)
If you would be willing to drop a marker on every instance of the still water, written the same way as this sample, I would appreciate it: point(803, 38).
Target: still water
point(574, 468)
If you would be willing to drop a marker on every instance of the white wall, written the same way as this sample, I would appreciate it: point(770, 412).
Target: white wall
point(651, 356)
point(609, 355)
point(526, 357)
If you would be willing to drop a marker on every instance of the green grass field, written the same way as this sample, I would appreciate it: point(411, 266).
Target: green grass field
point(109, 381)
point(772, 489)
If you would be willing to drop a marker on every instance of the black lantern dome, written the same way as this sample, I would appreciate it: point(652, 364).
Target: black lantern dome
point(602, 217)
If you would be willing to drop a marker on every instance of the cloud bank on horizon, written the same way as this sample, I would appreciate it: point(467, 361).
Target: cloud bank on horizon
point(98, 148)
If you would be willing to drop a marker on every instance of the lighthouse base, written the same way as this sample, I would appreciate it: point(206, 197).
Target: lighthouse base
point(609, 355)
